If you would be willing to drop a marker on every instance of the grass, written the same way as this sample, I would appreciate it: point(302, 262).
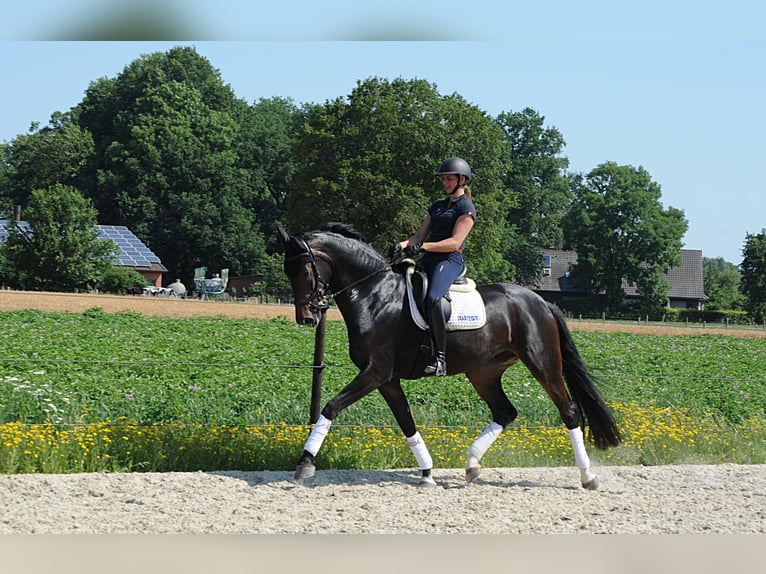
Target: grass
point(97, 391)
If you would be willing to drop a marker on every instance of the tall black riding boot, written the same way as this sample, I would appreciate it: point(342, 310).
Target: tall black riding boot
point(438, 326)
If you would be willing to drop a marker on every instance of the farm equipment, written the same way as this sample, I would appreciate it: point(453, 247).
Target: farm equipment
point(210, 288)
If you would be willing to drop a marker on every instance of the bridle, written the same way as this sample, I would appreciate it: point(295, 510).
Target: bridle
point(317, 299)
point(320, 292)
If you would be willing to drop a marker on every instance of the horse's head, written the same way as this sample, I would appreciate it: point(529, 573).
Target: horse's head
point(309, 276)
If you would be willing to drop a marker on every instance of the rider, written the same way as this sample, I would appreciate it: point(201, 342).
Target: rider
point(442, 237)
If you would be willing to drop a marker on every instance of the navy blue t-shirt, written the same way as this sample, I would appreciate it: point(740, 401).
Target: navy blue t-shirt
point(444, 213)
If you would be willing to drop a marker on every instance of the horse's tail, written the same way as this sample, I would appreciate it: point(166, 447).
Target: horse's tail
point(603, 428)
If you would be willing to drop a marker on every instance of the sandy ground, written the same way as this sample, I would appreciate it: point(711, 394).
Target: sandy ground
point(682, 499)
point(144, 304)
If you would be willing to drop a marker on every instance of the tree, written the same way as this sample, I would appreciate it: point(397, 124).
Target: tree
point(620, 231)
point(6, 203)
point(57, 153)
point(267, 131)
point(61, 250)
point(753, 268)
point(721, 281)
point(167, 162)
point(534, 178)
point(370, 159)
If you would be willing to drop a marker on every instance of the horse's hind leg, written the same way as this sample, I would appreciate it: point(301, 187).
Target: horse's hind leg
point(397, 401)
point(553, 384)
point(548, 372)
point(488, 384)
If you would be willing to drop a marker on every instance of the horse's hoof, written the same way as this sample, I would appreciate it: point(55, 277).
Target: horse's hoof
point(592, 484)
point(472, 473)
point(304, 470)
point(426, 482)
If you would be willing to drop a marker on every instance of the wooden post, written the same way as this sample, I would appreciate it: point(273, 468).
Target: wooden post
point(316, 379)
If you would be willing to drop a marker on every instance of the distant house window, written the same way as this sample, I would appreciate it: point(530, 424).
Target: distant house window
point(547, 265)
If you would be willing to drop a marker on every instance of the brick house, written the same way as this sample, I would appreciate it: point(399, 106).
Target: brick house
point(132, 253)
point(686, 281)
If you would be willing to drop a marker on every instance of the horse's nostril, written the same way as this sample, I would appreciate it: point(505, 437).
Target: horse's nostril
point(306, 320)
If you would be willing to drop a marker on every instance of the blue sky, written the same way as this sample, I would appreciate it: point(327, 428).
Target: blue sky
point(677, 87)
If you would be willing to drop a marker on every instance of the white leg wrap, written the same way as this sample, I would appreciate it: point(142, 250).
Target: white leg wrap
point(316, 438)
point(482, 444)
point(578, 445)
point(420, 450)
point(586, 475)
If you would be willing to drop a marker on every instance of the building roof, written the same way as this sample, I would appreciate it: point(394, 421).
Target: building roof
point(689, 278)
point(131, 250)
point(556, 276)
point(686, 280)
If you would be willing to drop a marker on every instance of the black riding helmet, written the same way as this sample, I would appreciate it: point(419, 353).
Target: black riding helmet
point(456, 166)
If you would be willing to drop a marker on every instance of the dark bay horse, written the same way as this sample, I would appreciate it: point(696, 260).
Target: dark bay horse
point(384, 342)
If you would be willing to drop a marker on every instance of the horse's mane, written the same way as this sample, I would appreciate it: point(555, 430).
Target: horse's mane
point(344, 229)
point(349, 231)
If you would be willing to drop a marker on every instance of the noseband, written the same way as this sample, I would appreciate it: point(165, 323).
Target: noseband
point(317, 299)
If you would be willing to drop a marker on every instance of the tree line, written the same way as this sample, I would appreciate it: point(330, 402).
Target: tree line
point(204, 178)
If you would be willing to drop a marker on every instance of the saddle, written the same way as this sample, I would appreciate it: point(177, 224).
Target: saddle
point(463, 306)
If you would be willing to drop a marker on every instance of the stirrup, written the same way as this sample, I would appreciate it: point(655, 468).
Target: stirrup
point(438, 368)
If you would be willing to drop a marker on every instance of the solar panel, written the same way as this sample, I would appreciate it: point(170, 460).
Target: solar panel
point(131, 250)
point(133, 253)
point(5, 224)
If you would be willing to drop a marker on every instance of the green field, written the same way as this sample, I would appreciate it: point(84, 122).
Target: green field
point(65, 369)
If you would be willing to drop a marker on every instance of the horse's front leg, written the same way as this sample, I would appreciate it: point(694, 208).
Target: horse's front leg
point(363, 384)
point(397, 401)
point(305, 468)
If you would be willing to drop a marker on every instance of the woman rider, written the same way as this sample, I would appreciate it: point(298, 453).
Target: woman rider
point(442, 238)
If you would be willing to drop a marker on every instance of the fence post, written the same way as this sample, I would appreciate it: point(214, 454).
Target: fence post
point(317, 371)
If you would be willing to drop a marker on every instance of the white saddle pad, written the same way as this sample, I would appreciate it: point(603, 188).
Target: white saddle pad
point(468, 311)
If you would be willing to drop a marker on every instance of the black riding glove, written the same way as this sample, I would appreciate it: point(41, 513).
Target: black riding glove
point(413, 249)
point(394, 250)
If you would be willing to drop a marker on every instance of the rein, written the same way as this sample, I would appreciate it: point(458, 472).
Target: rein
point(365, 278)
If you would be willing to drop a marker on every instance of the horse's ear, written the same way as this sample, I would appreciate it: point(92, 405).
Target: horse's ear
point(283, 235)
